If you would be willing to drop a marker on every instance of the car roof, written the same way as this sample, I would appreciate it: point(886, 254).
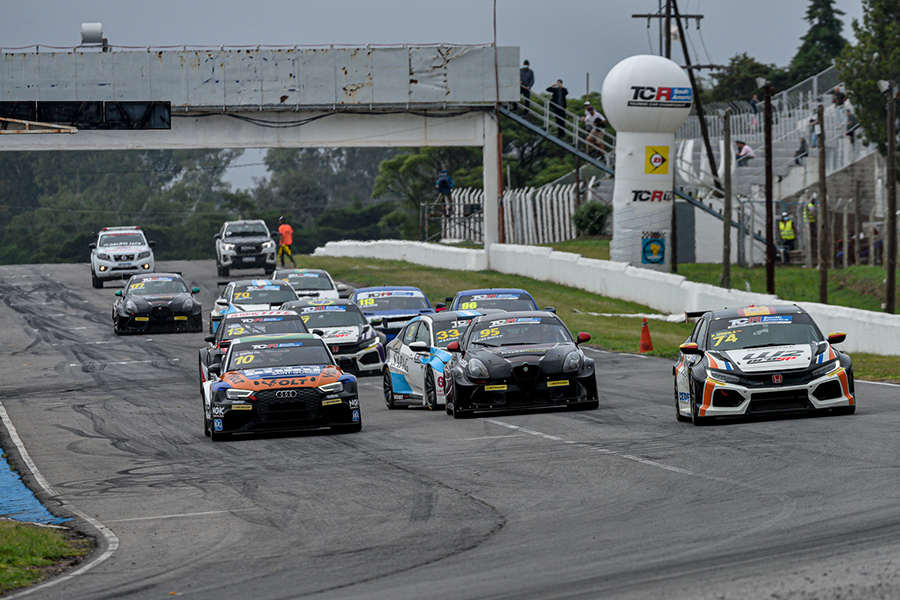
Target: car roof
point(276, 337)
point(300, 271)
point(245, 221)
point(455, 315)
point(755, 311)
point(258, 282)
point(387, 288)
point(123, 228)
point(494, 291)
point(152, 275)
point(262, 313)
point(304, 302)
point(516, 314)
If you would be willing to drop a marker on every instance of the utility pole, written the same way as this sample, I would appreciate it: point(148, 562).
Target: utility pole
point(668, 29)
point(891, 262)
point(770, 216)
point(726, 221)
point(822, 222)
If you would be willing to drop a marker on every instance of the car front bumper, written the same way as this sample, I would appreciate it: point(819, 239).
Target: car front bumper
point(107, 270)
point(509, 394)
point(719, 399)
point(271, 415)
point(234, 260)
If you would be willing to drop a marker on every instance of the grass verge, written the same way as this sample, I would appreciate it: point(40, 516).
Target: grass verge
point(617, 334)
point(29, 553)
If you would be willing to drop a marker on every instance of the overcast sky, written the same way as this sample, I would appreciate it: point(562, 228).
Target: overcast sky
point(563, 38)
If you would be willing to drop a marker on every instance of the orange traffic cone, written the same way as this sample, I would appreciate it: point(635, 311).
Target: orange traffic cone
point(646, 342)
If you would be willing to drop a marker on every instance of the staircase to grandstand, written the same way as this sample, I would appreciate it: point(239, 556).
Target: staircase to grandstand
point(794, 177)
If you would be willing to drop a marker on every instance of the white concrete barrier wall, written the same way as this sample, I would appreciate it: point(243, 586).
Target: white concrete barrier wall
point(867, 331)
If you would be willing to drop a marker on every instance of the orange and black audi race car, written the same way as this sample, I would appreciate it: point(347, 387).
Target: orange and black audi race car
point(761, 360)
point(278, 383)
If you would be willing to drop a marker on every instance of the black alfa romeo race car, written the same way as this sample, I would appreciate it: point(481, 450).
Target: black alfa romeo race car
point(156, 302)
point(518, 360)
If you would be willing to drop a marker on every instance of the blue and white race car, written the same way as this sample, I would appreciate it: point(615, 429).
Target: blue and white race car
point(389, 308)
point(250, 295)
point(508, 299)
point(414, 368)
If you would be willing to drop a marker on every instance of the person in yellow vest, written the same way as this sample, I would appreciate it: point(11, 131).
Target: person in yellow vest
point(788, 235)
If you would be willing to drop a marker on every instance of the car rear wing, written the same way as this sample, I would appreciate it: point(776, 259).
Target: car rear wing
point(693, 315)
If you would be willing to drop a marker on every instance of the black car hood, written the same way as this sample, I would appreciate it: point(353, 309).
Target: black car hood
point(143, 302)
point(500, 361)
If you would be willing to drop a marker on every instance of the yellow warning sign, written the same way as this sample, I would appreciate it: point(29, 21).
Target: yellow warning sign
point(657, 160)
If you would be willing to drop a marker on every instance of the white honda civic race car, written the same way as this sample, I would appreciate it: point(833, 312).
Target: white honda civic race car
point(761, 360)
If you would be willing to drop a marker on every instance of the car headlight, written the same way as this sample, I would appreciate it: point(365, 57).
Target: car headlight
point(477, 369)
point(144, 254)
point(723, 377)
point(573, 362)
point(103, 256)
point(227, 247)
point(188, 305)
point(233, 394)
point(826, 368)
point(268, 245)
point(130, 307)
point(332, 388)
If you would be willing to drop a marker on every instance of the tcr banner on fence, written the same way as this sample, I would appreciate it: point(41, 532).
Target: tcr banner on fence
point(646, 99)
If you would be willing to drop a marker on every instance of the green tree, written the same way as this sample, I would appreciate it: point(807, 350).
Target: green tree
point(821, 44)
point(874, 57)
point(737, 80)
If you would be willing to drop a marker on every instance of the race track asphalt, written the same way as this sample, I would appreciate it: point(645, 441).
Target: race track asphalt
point(619, 502)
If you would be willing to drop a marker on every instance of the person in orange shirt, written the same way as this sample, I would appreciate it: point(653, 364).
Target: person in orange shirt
point(287, 238)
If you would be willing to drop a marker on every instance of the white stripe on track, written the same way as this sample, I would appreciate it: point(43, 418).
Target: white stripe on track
point(112, 541)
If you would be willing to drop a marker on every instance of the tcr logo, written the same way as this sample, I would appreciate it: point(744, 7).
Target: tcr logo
point(651, 196)
point(645, 92)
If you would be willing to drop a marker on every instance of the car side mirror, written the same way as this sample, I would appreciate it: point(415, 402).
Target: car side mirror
point(550, 309)
point(221, 302)
point(92, 245)
point(195, 290)
point(342, 287)
point(218, 236)
point(210, 338)
point(419, 347)
point(448, 300)
point(439, 306)
point(836, 337)
point(376, 321)
point(152, 244)
point(583, 337)
point(453, 347)
point(318, 332)
point(215, 369)
point(691, 348)
point(346, 363)
point(118, 292)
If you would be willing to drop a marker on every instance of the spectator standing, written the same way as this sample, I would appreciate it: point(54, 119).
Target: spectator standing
point(595, 123)
point(444, 187)
point(558, 96)
point(813, 134)
point(286, 235)
point(838, 100)
point(744, 153)
point(788, 235)
point(526, 81)
point(801, 152)
point(852, 125)
point(754, 113)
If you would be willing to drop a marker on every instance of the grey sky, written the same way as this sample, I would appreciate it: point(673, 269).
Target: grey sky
point(562, 39)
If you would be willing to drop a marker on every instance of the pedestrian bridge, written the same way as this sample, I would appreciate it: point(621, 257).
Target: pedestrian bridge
point(294, 97)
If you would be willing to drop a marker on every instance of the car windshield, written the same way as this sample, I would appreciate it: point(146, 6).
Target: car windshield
point(761, 331)
point(449, 331)
point(507, 302)
point(244, 326)
point(246, 230)
point(306, 281)
point(519, 331)
point(263, 294)
point(392, 300)
point(262, 355)
point(317, 317)
point(157, 286)
point(122, 239)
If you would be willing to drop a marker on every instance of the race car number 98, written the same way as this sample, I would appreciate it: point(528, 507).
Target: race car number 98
point(468, 305)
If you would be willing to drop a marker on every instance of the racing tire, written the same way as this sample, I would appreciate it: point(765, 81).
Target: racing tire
point(207, 426)
point(678, 416)
point(696, 419)
point(388, 388)
point(430, 391)
point(96, 282)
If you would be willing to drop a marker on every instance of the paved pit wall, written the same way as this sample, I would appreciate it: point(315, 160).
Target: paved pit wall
point(867, 331)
